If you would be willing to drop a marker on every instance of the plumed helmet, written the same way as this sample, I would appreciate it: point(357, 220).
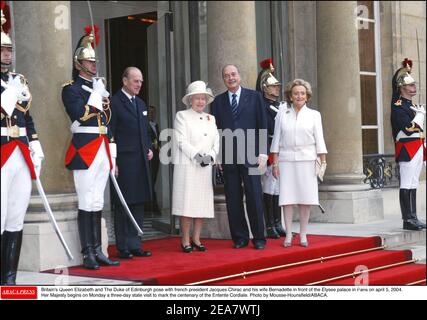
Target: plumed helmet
point(6, 41)
point(402, 77)
point(265, 76)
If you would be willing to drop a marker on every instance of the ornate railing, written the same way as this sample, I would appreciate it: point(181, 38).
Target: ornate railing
point(380, 170)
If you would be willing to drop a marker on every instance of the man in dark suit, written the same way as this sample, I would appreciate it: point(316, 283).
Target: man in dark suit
point(129, 125)
point(241, 111)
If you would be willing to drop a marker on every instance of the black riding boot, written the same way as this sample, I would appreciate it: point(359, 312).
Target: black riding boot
point(277, 214)
point(268, 217)
point(10, 250)
point(84, 223)
point(413, 198)
point(96, 231)
point(405, 208)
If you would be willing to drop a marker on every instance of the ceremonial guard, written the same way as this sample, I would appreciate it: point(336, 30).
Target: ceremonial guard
point(407, 121)
point(92, 152)
point(270, 87)
point(21, 157)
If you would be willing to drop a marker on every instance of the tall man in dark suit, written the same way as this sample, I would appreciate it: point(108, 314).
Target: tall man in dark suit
point(241, 111)
point(129, 124)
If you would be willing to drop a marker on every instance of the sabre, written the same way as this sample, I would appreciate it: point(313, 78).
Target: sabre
point(52, 218)
point(93, 31)
point(122, 200)
point(419, 72)
point(113, 178)
point(12, 35)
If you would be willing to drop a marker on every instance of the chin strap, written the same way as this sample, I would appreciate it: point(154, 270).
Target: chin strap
point(85, 69)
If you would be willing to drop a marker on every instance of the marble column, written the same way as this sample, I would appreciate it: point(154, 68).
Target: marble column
point(44, 55)
point(344, 194)
point(231, 40)
point(44, 52)
point(231, 37)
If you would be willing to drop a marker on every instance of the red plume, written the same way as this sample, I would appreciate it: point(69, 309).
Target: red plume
point(265, 64)
point(6, 11)
point(406, 63)
point(88, 29)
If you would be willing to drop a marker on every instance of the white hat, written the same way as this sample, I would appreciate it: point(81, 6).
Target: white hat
point(198, 87)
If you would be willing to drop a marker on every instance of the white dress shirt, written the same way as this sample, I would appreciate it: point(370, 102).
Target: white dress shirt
point(298, 137)
point(230, 95)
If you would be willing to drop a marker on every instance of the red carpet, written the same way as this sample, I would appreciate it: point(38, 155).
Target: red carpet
point(170, 266)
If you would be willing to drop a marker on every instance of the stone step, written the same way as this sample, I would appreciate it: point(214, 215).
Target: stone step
point(57, 202)
point(60, 216)
point(399, 238)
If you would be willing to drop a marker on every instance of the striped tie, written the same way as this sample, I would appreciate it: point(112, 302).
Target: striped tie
point(234, 108)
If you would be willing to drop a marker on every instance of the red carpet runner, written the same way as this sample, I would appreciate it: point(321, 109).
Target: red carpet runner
point(170, 266)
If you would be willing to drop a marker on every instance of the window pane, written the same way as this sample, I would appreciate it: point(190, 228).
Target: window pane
point(368, 100)
point(367, 48)
point(370, 141)
point(367, 12)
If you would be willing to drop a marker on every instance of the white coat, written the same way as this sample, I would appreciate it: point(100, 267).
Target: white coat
point(192, 194)
point(298, 138)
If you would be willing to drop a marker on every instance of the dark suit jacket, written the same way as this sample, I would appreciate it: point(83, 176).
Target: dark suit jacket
point(251, 115)
point(131, 132)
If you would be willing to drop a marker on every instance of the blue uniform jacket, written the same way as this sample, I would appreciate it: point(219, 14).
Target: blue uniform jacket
point(81, 152)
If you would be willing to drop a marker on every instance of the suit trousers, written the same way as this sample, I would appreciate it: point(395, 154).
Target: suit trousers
point(234, 175)
point(126, 234)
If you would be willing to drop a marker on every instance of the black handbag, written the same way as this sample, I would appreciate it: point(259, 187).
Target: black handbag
point(217, 176)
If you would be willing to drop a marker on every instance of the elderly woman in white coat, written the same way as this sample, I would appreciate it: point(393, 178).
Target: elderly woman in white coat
point(196, 146)
point(299, 156)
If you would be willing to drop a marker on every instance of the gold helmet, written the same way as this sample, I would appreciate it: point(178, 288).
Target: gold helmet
point(402, 77)
point(85, 48)
point(5, 26)
point(265, 76)
point(267, 79)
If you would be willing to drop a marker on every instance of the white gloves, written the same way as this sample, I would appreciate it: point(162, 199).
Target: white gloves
point(420, 115)
point(37, 155)
point(97, 93)
point(262, 163)
point(320, 169)
point(15, 91)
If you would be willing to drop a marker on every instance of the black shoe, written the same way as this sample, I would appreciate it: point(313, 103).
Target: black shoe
point(240, 244)
point(279, 228)
point(141, 253)
point(89, 259)
point(125, 254)
point(259, 245)
point(187, 248)
point(411, 225)
point(272, 233)
point(103, 260)
point(199, 247)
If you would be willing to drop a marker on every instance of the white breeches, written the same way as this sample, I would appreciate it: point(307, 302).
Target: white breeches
point(90, 184)
point(410, 171)
point(15, 192)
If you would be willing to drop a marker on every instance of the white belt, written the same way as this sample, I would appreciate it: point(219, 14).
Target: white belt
point(13, 132)
point(95, 130)
point(402, 135)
